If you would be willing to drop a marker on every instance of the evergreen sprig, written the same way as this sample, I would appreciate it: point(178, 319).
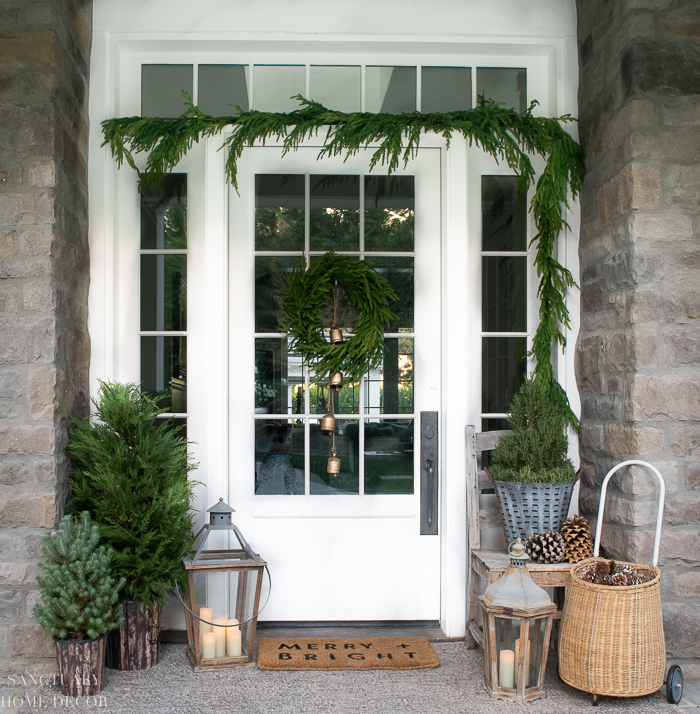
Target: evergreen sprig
point(129, 470)
point(535, 450)
point(503, 133)
point(78, 591)
point(308, 292)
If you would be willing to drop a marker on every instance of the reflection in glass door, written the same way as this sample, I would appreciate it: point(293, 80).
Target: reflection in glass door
point(298, 217)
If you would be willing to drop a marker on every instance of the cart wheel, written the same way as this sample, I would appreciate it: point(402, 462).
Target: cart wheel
point(674, 684)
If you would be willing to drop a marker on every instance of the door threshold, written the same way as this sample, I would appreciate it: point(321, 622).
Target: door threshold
point(353, 629)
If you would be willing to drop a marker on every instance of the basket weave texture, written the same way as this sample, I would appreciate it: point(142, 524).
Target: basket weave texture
point(529, 508)
point(612, 637)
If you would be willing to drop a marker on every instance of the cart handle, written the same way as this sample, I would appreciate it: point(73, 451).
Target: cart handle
point(659, 515)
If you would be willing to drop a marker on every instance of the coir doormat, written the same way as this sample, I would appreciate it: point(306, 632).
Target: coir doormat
point(370, 653)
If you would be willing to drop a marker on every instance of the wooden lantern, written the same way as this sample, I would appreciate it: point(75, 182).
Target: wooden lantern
point(517, 617)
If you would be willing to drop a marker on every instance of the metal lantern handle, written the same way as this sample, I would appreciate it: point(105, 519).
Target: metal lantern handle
point(216, 624)
point(659, 515)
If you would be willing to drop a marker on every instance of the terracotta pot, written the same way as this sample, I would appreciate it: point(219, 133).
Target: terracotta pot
point(81, 665)
point(136, 644)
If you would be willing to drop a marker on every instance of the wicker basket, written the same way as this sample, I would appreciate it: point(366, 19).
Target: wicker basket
point(612, 638)
point(528, 508)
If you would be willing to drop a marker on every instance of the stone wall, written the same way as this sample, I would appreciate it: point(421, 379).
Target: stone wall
point(638, 353)
point(44, 344)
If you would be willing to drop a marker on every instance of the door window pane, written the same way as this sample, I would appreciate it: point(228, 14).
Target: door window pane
point(389, 456)
point(164, 370)
point(274, 85)
point(389, 390)
point(399, 273)
point(337, 88)
point(271, 275)
point(279, 378)
point(164, 214)
point(390, 89)
point(161, 89)
point(389, 213)
point(504, 294)
point(347, 444)
point(163, 292)
point(279, 212)
point(346, 400)
point(502, 371)
point(503, 214)
point(335, 212)
point(446, 89)
point(219, 86)
point(279, 457)
point(505, 85)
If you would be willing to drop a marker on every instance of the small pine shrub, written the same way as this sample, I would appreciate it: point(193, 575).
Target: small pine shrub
point(129, 470)
point(536, 449)
point(78, 591)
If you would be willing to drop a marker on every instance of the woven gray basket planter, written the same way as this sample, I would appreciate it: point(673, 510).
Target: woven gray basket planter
point(529, 508)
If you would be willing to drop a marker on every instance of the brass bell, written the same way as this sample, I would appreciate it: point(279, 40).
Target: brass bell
point(333, 465)
point(336, 336)
point(336, 380)
point(328, 424)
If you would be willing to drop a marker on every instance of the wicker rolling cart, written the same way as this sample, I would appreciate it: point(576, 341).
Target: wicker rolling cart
point(612, 637)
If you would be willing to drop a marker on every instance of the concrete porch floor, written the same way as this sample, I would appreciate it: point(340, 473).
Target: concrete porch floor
point(457, 686)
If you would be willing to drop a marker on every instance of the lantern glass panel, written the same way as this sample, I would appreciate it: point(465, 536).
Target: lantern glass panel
point(507, 639)
point(538, 628)
point(229, 594)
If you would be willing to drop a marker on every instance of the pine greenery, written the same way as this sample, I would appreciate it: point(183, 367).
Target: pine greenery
point(536, 449)
point(308, 292)
point(78, 592)
point(503, 133)
point(129, 470)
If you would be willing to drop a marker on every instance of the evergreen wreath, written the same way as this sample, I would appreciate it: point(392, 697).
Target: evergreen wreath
point(503, 133)
point(307, 294)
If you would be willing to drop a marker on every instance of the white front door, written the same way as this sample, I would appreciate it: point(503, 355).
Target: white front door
point(344, 547)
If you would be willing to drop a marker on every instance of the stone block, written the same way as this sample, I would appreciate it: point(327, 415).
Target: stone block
point(603, 407)
point(692, 476)
point(38, 14)
point(18, 268)
point(9, 546)
point(663, 305)
point(10, 175)
point(11, 384)
point(634, 441)
point(663, 145)
point(32, 641)
point(665, 397)
point(680, 24)
point(656, 226)
point(36, 242)
point(13, 472)
point(33, 597)
point(32, 545)
point(661, 68)
point(23, 209)
point(588, 364)
point(39, 297)
point(685, 440)
point(638, 186)
point(9, 299)
point(10, 411)
point(10, 604)
point(45, 472)
point(681, 627)
point(18, 573)
point(27, 440)
point(27, 339)
point(682, 183)
point(639, 481)
point(677, 544)
point(630, 512)
point(681, 111)
point(33, 510)
point(41, 387)
point(682, 347)
point(682, 510)
point(686, 585)
point(28, 130)
point(41, 173)
point(591, 437)
point(8, 241)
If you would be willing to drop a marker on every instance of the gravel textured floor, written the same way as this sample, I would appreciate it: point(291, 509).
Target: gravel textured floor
point(456, 686)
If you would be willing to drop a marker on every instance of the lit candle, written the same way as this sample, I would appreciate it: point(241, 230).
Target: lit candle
point(506, 669)
point(208, 645)
point(220, 635)
point(205, 613)
point(233, 639)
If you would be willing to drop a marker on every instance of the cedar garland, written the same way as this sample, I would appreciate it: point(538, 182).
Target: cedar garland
point(503, 133)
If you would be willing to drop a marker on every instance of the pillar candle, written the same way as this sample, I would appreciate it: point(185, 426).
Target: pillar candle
point(208, 645)
point(205, 613)
point(220, 635)
point(506, 669)
point(233, 639)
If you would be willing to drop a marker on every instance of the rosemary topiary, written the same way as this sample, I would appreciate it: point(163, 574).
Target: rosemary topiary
point(78, 591)
point(536, 449)
point(129, 470)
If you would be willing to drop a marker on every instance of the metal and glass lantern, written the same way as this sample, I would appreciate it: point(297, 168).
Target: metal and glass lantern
point(517, 625)
point(223, 600)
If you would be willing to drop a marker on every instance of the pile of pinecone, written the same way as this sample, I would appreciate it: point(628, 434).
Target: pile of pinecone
point(574, 543)
point(609, 572)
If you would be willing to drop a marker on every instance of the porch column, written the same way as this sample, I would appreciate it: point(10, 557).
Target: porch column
point(44, 344)
point(638, 353)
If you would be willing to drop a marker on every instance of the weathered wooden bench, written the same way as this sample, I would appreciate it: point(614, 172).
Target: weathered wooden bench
point(489, 565)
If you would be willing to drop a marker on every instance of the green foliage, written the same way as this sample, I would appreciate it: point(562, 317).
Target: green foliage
point(503, 133)
point(78, 591)
point(536, 449)
point(129, 470)
point(309, 290)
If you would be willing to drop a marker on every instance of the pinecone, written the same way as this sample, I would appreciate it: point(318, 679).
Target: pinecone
point(577, 537)
point(618, 579)
point(547, 547)
point(603, 570)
